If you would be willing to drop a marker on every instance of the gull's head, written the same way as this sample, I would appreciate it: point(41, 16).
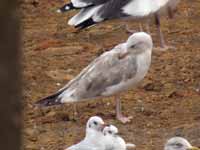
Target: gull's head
point(139, 42)
point(179, 143)
point(110, 130)
point(96, 123)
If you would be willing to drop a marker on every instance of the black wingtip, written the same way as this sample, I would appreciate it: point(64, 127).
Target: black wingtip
point(65, 8)
point(49, 101)
point(86, 24)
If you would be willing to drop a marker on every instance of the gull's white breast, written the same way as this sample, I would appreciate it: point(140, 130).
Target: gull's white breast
point(142, 8)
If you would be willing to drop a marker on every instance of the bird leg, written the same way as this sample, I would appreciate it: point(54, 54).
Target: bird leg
point(163, 46)
point(147, 26)
point(170, 12)
point(119, 115)
point(162, 41)
point(140, 26)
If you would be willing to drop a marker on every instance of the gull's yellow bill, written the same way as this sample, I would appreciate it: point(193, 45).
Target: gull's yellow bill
point(194, 148)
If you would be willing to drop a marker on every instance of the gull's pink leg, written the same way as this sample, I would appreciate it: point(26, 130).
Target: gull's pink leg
point(163, 46)
point(119, 115)
point(141, 28)
point(162, 41)
point(147, 27)
point(170, 13)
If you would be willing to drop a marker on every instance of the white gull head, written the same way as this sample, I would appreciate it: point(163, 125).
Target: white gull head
point(110, 130)
point(112, 140)
point(95, 123)
point(139, 42)
point(178, 143)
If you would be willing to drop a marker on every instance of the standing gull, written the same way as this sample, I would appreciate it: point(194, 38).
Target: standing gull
point(96, 11)
point(113, 72)
point(179, 143)
point(93, 138)
point(113, 141)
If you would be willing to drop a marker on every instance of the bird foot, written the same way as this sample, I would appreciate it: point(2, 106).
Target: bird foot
point(124, 119)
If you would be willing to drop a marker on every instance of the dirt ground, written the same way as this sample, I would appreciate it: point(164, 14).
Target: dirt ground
point(165, 104)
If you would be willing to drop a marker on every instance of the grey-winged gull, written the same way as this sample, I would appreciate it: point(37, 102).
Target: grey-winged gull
point(113, 141)
point(96, 11)
point(93, 137)
point(113, 72)
point(179, 143)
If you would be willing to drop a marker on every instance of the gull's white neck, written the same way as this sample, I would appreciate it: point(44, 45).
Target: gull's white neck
point(143, 62)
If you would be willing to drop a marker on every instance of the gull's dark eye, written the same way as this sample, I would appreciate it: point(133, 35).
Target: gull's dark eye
point(133, 46)
point(179, 145)
point(95, 123)
point(110, 132)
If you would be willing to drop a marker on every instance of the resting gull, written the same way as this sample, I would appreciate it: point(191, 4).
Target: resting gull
point(179, 143)
point(96, 11)
point(113, 72)
point(93, 138)
point(113, 141)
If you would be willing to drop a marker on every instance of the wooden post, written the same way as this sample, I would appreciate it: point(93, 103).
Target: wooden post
point(10, 81)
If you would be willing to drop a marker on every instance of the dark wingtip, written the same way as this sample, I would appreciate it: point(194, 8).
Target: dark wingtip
point(85, 24)
point(49, 101)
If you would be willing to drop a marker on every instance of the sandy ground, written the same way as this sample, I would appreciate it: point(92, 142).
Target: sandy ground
point(166, 103)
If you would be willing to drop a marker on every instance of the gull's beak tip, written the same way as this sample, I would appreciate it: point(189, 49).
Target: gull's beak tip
point(194, 148)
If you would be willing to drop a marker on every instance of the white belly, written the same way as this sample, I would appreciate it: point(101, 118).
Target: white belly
point(142, 8)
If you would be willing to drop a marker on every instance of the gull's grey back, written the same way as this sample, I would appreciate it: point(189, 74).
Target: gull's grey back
point(108, 71)
point(94, 2)
point(113, 9)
